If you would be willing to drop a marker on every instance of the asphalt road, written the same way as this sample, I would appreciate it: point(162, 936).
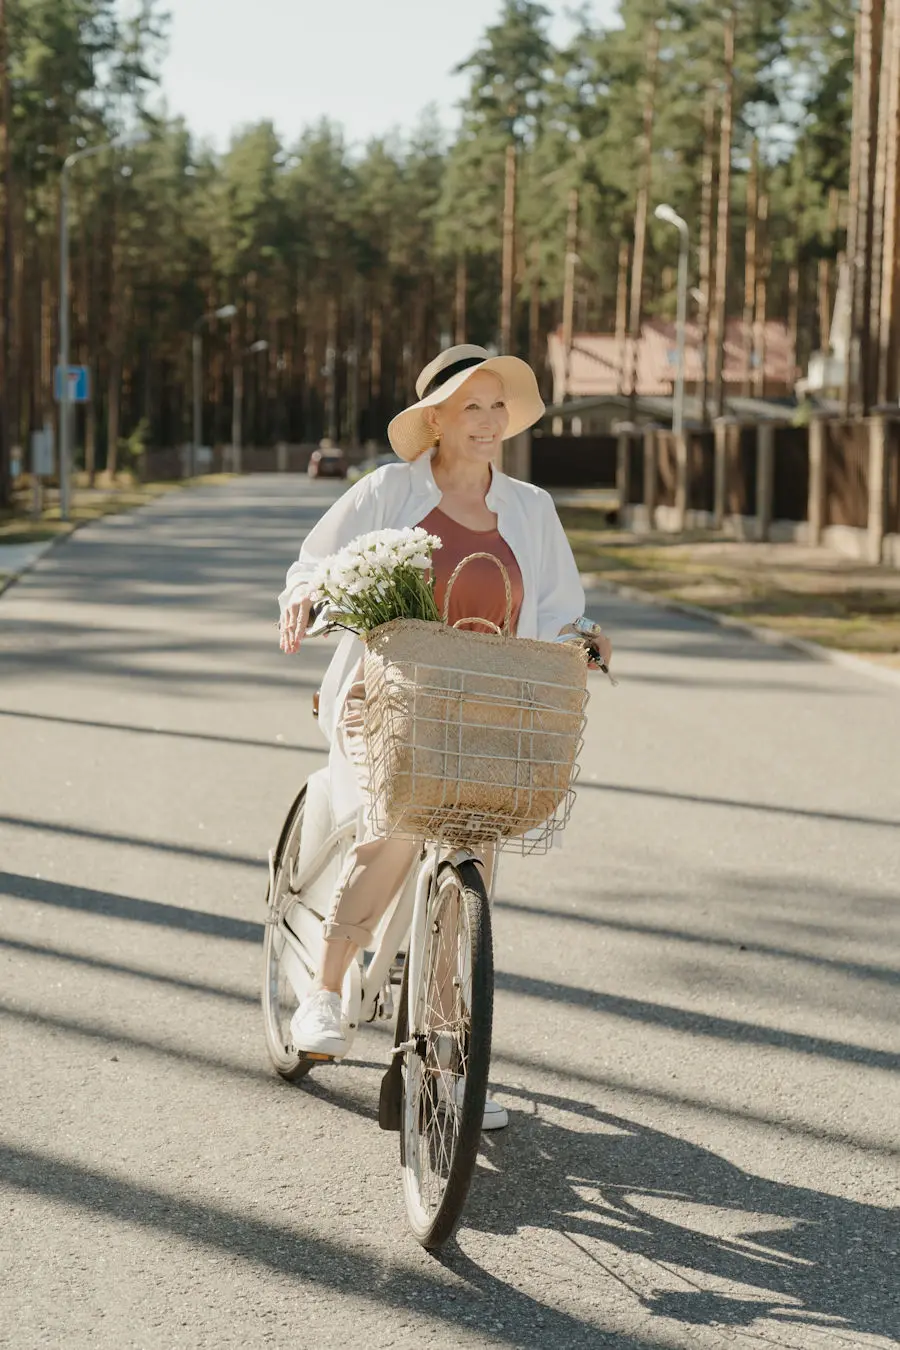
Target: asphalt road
point(697, 1011)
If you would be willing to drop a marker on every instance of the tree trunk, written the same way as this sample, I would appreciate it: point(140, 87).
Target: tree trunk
point(459, 301)
point(882, 132)
point(534, 312)
point(18, 367)
point(509, 251)
point(114, 390)
point(568, 324)
point(871, 21)
point(331, 339)
point(823, 294)
point(621, 315)
point(793, 320)
point(114, 350)
point(724, 214)
point(707, 202)
point(48, 332)
point(826, 337)
point(645, 173)
point(889, 306)
point(854, 259)
point(90, 435)
point(6, 275)
point(353, 391)
point(762, 295)
point(750, 267)
point(375, 360)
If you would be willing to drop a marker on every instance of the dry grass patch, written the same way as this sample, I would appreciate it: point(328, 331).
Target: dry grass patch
point(803, 592)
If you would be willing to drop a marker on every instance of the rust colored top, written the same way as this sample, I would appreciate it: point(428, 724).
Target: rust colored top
point(478, 592)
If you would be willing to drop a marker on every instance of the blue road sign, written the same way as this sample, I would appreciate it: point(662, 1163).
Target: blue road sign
point(79, 384)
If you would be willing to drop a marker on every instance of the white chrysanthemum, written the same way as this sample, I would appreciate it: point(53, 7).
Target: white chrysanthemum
point(362, 581)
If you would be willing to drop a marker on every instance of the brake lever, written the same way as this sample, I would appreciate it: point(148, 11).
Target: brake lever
point(594, 658)
point(593, 654)
point(319, 621)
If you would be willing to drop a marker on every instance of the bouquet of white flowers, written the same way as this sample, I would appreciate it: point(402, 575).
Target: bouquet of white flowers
point(380, 576)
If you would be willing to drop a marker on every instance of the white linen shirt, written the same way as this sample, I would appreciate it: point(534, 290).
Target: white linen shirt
point(398, 496)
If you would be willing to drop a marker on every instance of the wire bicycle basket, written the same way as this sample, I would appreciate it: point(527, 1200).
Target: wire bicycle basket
point(472, 737)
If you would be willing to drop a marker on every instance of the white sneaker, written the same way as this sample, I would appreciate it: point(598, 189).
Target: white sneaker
point(316, 1025)
point(496, 1117)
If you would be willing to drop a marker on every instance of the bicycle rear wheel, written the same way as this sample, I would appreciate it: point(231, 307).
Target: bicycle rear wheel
point(279, 1001)
point(448, 1055)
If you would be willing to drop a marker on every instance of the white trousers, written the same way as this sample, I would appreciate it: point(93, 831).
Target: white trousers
point(376, 867)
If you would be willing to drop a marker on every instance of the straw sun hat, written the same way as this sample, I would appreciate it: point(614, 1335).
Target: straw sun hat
point(410, 432)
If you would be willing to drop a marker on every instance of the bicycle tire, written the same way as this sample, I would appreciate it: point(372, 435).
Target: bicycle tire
point(277, 1008)
point(436, 1178)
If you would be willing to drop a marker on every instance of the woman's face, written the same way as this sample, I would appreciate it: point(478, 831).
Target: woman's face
point(473, 421)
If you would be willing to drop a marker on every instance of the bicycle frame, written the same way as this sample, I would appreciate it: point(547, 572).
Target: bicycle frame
point(301, 921)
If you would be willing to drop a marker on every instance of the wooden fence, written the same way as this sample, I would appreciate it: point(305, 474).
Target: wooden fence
point(846, 464)
point(892, 486)
point(666, 492)
point(701, 471)
point(790, 473)
point(574, 461)
point(740, 470)
point(634, 451)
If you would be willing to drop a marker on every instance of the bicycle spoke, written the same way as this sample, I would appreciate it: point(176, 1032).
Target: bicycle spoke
point(437, 1091)
point(448, 1054)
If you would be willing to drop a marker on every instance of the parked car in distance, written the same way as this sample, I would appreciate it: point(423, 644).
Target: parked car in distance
point(327, 462)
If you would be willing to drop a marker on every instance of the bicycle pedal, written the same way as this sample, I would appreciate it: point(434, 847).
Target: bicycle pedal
point(320, 1059)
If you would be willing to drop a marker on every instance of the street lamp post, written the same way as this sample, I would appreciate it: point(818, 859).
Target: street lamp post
point(237, 402)
point(224, 312)
point(671, 217)
point(65, 402)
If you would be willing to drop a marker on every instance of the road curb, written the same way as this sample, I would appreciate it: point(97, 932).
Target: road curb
point(769, 636)
point(41, 549)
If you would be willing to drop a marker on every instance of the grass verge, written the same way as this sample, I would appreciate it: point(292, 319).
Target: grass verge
point(802, 592)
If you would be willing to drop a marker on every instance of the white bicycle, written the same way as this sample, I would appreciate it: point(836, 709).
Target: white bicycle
point(434, 1091)
point(435, 942)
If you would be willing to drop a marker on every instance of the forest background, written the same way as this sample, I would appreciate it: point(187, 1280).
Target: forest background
point(355, 266)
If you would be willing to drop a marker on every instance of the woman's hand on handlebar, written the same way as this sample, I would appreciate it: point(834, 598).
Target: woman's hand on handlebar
point(599, 652)
point(599, 647)
point(293, 626)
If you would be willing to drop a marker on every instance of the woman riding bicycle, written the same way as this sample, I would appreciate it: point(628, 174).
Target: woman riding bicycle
point(469, 403)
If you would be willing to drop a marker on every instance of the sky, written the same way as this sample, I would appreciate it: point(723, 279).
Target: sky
point(372, 65)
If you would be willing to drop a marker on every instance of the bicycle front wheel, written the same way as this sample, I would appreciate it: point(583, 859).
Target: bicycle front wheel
point(447, 1054)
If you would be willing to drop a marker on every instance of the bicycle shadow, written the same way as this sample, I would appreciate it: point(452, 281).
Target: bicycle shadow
point(800, 1257)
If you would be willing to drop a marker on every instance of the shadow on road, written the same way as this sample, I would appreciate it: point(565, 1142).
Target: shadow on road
point(628, 1195)
point(510, 1316)
point(695, 1023)
point(42, 891)
point(203, 737)
point(735, 804)
point(743, 941)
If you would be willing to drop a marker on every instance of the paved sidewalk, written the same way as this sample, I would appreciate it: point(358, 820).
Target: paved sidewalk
point(697, 1010)
point(17, 558)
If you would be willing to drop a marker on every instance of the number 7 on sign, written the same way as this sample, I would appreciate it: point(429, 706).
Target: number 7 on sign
point(79, 384)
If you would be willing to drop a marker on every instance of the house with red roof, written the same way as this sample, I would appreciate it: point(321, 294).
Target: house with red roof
point(595, 365)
